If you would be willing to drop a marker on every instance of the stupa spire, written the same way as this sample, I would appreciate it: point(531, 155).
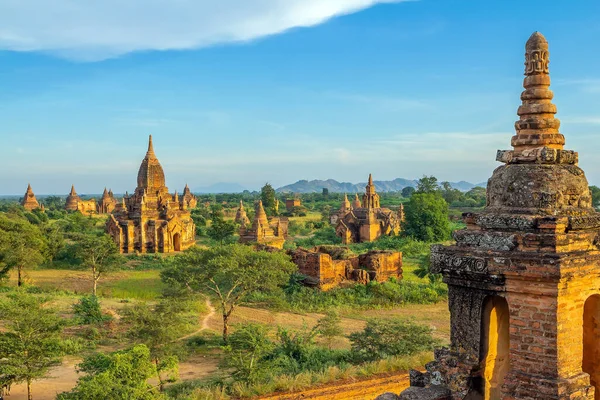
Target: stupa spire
point(150, 145)
point(73, 193)
point(537, 126)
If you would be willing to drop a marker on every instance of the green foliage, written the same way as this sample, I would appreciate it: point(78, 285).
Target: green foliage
point(30, 341)
point(158, 328)
point(230, 273)
point(330, 327)
point(372, 295)
point(427, 184)
point(322, 236)
point(407, 245)
point(22, 245)
point(120, 375)
point(219, 229)
point(383, 338)
point(426, 216)
point(269, 200)
point(595, 190)
point(99, 254)
point(88, 311)
point(408, 191)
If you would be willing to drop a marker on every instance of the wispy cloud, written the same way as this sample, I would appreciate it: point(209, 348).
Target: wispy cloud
point(92, 30)
point(589, 85)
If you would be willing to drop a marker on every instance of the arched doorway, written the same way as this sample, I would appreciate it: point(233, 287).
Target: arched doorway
point(177, 242)
point(495, 346)
point(591, 341)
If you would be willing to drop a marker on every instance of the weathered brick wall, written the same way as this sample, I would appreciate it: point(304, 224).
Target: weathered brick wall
point(384, 264)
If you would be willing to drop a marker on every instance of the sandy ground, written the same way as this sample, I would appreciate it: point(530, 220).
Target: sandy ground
point(367, 389)
point(64, 376)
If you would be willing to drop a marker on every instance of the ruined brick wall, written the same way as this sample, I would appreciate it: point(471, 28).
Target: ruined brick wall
point(326, 272)
point(382, 265)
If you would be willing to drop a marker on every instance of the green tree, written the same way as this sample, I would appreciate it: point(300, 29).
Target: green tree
point(427, 184)
point(158, 327)
point(230, 273)
point(427, 217)
point(99, 254)
point(248, 346)
point(219, 229)
point(30, 342)
point(408, 191)
point(383, 338)
point(269, 200)
point(120, 375)
point(22, 245)
point(595, 190)
point(329, 327)
point(449, 193)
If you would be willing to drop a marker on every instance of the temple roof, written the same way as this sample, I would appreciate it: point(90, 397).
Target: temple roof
point(150, 174)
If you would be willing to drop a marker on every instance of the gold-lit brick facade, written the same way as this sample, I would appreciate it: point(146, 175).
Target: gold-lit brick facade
point(153, 220)
point(365, 221)
point(524, 275)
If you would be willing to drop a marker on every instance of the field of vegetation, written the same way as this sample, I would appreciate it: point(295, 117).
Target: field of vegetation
point(218, 321)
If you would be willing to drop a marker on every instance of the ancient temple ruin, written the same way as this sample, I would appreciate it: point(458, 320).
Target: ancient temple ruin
point(29, 202)
point(366, 221)
point(241, 217)
point(264, 231)
point(152, 220)
point(326, 267)
point(524, 275)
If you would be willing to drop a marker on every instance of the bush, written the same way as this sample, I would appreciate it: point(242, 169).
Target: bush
point(383, 338)
point(88, 311)
point(427, 217)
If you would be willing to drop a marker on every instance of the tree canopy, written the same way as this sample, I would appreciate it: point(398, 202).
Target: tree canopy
point(230, 273)
point(30, 342)
point(426, 215)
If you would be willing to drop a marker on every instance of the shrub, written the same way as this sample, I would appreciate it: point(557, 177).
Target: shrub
point(383, 338)
point(88, 311)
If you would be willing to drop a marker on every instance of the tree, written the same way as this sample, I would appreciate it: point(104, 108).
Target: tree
point(158, 328)
point(30, 342)
point(408, 191)
point(22, 245)
point(449, 193)
point(120, 375)
point(595, 190)
point(383, 338)
point(426, 217)
point(325, 192)
point(269, 200)
point(427, 184)
point(99, 254)
point(230, 273)
point(219, 229)
point(330, 327)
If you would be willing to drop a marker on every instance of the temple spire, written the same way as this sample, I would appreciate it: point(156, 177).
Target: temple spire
point(537, 126)
point(73, 193)
point(150, 145)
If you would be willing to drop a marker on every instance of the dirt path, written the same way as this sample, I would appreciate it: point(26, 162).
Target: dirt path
point(366, 389)
point(204, 325)
point(63, 377)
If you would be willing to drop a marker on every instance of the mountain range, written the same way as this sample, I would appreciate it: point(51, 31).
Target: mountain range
point(317, 186)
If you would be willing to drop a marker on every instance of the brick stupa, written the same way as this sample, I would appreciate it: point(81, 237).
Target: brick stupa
point(524, 275)
point(29, 202)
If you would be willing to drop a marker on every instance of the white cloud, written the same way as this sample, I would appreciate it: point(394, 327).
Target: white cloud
point(93, 30)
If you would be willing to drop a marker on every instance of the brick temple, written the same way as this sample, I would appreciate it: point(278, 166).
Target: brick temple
point(365, 221)
point(524, 276)
point(29, 201)
point(152, 220)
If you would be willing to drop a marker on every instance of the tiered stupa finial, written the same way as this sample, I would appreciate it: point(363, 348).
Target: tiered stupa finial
point(356, 203)
point(537, 125)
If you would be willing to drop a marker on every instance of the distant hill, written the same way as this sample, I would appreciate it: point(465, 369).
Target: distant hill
point(316, 186)
point(220, 187)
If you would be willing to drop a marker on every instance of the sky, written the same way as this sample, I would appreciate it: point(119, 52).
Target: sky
point(255, 91)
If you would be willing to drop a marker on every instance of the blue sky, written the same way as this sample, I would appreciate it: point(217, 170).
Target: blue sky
point(251, 91)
